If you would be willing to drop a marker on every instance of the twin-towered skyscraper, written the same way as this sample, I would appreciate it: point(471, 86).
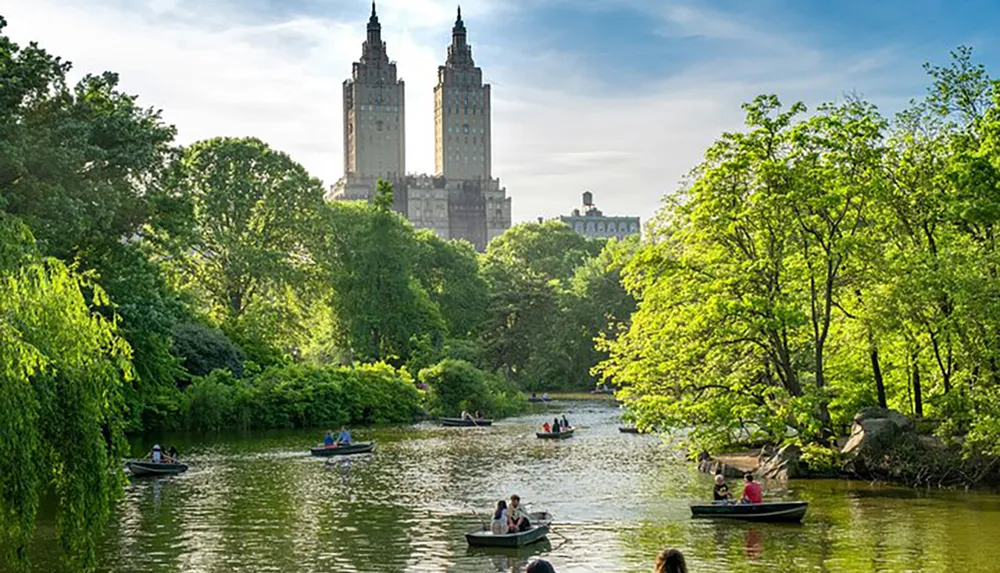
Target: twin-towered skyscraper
point(461, 200)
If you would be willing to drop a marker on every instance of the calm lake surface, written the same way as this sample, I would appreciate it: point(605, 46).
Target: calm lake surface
point(258, 502)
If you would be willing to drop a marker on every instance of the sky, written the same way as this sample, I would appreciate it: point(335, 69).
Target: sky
point(617, 97)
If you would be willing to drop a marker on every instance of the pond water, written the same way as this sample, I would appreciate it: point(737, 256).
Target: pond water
point(258, 502)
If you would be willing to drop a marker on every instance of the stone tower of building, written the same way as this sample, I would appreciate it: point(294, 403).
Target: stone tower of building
point(461, 114)
point(374, 132)
point(462, 200)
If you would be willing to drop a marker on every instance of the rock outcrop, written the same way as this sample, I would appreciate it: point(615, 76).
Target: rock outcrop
point(734, 465)
point(877, 435)
point(782, 464)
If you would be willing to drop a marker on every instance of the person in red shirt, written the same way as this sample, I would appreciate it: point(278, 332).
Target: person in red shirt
point(751, 491)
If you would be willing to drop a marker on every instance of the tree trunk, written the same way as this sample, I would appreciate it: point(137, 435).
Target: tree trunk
point(877, 372)
point(918, 401)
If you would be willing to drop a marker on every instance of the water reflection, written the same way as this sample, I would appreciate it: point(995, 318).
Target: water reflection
point(513, 560)
point(259, 502)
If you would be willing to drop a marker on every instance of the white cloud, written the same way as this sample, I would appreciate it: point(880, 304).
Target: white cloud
point(218, 72)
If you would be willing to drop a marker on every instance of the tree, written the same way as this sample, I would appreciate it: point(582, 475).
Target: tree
point(449, 272)
point(368, 258)
point(246, 252)
point(736, 295)
point(838, 175)
point(550, 250)
point(63, 366)
point(80, 166)
point(529, 333)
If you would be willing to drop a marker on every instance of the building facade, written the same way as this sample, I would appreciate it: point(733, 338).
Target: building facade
point(374, 113)
point(461, 114)
point(461, 200)
point(591, 222)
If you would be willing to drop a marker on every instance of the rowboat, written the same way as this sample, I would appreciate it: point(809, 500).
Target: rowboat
point(466, 423)
point(629, 430)
point(537, 399)
point(335, 450)
point(539, 529)
point(777, 511)
point(555, 435)
point(145, 469)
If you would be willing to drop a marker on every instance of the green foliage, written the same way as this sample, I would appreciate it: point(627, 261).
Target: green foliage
point(203, 349)
point(449, 272)
point(815, 266)
point(238, 293)
point(456, 385)
point(301, 396)
point(821, 460)
point(551, 294)
point(550, 250)
point(245, 252)
point(63, 366)
point(369, 260)
point(82, 165)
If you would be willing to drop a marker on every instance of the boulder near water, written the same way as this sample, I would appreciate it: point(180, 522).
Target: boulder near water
point(876, 430)
point(781, 464)
point(876, 434)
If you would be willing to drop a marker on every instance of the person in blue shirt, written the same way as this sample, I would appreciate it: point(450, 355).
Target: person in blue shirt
point(344, 437)
point(328, 438)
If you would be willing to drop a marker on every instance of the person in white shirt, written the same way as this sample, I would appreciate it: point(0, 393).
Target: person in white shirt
point(157, 454)
point(499, 523)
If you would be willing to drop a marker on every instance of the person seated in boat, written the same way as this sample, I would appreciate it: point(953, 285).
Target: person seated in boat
point(721, 493)
point(344, 439)
point(157, 454)
point(751, 491)
point(546, 428)
point(556, 426)
point(173, 456)
point(479, 415)
point(466, 415)
point(565, 423)
point(517, 517)
point(498, 525)
point(545, 396)
point(328, 438)
point(534, 396)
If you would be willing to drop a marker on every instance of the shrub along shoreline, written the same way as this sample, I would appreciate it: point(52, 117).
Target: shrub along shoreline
point(306, 396)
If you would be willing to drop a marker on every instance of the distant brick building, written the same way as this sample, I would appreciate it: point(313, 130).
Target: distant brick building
point(591, 222)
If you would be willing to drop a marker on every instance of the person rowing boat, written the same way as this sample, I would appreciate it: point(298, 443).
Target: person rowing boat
point(343, 438)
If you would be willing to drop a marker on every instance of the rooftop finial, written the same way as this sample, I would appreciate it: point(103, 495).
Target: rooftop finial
point(459, 24)
point(373, 8)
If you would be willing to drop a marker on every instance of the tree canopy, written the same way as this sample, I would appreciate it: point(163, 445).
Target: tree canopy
point(815, 265)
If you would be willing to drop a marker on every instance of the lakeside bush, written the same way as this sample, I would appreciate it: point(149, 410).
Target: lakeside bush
point(301, 396)
point(203, 349)
point(456, 385)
